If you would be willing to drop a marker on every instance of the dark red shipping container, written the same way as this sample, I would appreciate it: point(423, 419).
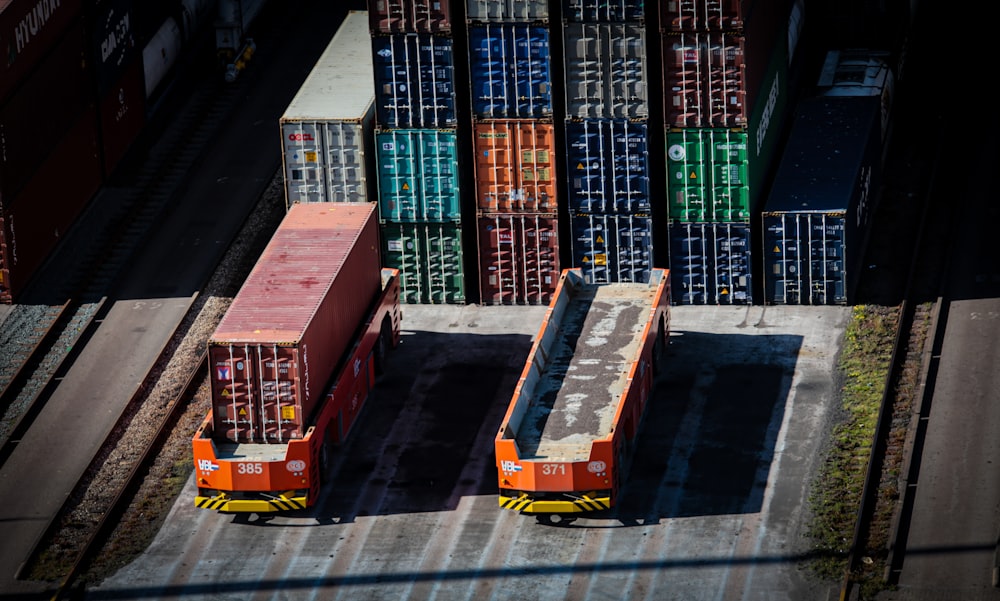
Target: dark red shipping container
point(410, 16)
point(285, 334)
point(29, 29)
point(518, 258)
point(714, 79)
point(720, 15)
point(113, 43)
point(35, 119)
point(123, 115)
point(45, 209)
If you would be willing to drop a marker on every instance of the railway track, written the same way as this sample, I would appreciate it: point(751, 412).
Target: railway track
point(123, 495)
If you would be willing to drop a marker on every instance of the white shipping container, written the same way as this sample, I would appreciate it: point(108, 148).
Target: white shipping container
point(328, 130)
point(605, 66)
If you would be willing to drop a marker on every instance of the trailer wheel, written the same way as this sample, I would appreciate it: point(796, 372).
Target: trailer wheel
point(382, 347)
point(325, 460)
point(555, 519)
point(659, 348)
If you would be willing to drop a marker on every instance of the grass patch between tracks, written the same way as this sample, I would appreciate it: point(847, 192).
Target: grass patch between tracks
point(836, 493)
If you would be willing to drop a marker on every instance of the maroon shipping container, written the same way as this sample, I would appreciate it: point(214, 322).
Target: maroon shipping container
point(113, 43)
point(718, 15)
point(714, 79)
point(49, 102)
point(288, 328)
point(45, 209)
point(29, 29)
point(123, 115)
point(518, 258)
point(409, 16)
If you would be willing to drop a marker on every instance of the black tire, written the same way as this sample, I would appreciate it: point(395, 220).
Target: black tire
point(382, 347)
point(325, 459)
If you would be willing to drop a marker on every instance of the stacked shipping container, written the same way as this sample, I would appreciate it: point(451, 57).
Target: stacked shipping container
point(606, 138)
point(726, 72)
point(417, 147)
point(517, 219)
point(328, 129)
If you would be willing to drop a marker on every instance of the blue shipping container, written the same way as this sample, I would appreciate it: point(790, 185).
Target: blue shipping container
point(613, 248)
point(510, 71)
point(710, 263)
point(607, 167)
point(414, 80)
point(817, 217)
point(418, 175)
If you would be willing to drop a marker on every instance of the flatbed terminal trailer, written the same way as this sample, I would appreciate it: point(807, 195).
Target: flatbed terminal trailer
point(294, 358)
point(568, 436)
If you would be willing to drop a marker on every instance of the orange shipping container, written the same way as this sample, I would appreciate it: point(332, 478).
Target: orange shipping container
point(515, 166)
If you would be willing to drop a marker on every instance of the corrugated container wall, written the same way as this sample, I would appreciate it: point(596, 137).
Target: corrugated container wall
point(45, 107)
point(429, 258)
point(515, 167)
point(418, 175)
point(410, 16)
point(613, 248)
point(36, 219)
point(120, 83)
point(718, 15)
point(518, 258)
point(603, 10)
point(819, 211)
point(710, 263)
point(414, 80)
point(510, 71)
point(29, 30)
point(605, 70)
point(327, 130)
point(275, 349)
point(524, 11)
point(607, 167)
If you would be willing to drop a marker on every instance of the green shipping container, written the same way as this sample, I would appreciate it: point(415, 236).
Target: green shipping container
point(418, 175)
point(718, 174)
point(429, 258)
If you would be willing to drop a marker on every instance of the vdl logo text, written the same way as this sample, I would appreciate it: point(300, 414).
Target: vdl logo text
point(206, 465)
point(509, 466)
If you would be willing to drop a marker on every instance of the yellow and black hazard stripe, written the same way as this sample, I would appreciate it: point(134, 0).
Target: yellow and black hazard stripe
point(225, 503)
point(582, 504)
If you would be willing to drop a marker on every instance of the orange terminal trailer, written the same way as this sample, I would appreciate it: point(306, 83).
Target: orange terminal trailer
point(294, 358)
point(565, 443)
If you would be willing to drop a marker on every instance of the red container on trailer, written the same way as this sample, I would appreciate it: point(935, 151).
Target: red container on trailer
point(404, 16)
point(29, 29)
point(518, 258)
point(274, 351)
point(44, 210)
point(515, 166)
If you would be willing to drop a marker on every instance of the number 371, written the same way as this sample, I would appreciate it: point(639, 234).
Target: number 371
point(553, 469)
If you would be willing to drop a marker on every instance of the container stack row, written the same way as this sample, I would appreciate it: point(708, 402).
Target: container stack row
point(726, 79)
point(607, 124)
point(417, 75)
point(514, 145)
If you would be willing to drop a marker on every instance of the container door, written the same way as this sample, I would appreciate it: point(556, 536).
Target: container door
point(254, 392)
point(345, 164)
point(304, 162)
